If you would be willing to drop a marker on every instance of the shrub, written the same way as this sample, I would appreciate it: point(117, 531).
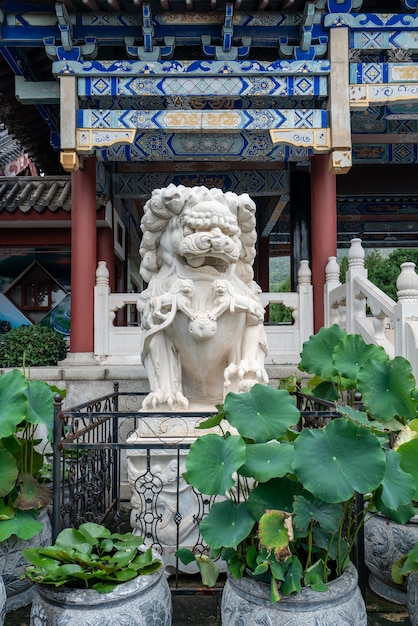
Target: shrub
point(32, 346)
point(5, 327)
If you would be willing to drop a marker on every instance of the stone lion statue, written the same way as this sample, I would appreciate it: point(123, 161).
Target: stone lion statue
point(200, 313)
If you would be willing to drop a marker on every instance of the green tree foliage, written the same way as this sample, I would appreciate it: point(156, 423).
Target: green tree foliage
point(384, 271)
point(279, 313)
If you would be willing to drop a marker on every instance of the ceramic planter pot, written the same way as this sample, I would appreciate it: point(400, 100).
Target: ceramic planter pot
point(3, 598)
point(12, 564)
point(385, 542)
point(246, 602)
point(143, 601)
point(412, 598)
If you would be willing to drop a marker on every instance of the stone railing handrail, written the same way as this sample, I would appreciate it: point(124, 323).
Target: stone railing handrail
point(122, 344)
point(359, 306)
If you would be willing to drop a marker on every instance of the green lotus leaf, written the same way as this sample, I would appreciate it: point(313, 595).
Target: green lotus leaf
point(274, 590)
point(317, 352)
point(97, 531)
point(13, 401)
point(40, 404)
point(211, 462)
point(327, 390)
point(411, 561)
point(273, 532)
point(185, 555)
point(352, 352)
point(226, 524)
point(387, 388)
point(332, 545)
point(362, 418)
point(293, 579)
point(73, 537)
point(277, 493)
point(409, 462)
point(398, 486)
point(8, 472)
point(316, 575)
point(261, 414)
point(268, 460)
point(6, 512)
point(23, 525)
point(348, 458)
point(328, 516)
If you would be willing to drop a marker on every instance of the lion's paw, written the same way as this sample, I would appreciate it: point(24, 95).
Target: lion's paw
point(160, 398)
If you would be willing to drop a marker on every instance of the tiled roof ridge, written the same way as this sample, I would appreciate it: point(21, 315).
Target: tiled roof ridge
point(35, 192)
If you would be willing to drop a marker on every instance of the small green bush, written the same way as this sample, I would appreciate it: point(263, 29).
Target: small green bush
point(31, 346)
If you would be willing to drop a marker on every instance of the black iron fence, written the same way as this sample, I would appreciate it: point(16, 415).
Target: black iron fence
point(111, 457)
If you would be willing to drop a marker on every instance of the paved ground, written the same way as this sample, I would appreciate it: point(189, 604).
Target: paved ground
point(204, 610)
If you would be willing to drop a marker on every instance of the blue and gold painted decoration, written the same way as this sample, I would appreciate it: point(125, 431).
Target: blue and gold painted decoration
point(157, 146)
point(256, 182)
point(378, 153)
point(217, 121)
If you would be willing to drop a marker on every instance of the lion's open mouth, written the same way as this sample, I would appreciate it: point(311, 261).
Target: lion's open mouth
point(209, 249)
point(198, 262)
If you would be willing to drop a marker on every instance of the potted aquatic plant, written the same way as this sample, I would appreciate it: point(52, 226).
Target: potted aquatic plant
point(287, 520)
point(112, 577)
point(405, 573)
point(26, 419)
point(343, 368)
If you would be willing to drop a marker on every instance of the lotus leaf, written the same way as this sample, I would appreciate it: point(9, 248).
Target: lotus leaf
point(268, 460)
point(13, 402)
point(261, 414)
point(387, 388)
point(317, 352)
point(222, 457)
point(227, 524)
point(352, 352)
point(348, 458)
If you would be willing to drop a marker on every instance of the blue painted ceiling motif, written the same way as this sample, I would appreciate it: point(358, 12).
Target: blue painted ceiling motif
point(202, 84)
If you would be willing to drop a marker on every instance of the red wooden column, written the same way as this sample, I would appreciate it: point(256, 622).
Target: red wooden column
point(323, 228)
point(83, 257)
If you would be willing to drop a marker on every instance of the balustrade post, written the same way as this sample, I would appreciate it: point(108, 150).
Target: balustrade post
point(332, 281)
point(406, 308)
point(356, 306)
point(305, 291)
point(101, 311)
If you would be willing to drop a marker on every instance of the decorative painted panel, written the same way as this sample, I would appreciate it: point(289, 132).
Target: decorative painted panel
point(171, 120)
point(198, 68)
point(372, 21)
point(298, 86)
point(362, 96)
point(385, 153)
point(249, 146)
point(254, 182)
point(373, 73)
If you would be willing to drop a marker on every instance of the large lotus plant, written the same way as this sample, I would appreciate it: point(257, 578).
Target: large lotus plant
point(343, 364)
point(24, 405)
point(287, 509)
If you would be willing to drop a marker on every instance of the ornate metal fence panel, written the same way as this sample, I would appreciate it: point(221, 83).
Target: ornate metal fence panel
point(109, 452)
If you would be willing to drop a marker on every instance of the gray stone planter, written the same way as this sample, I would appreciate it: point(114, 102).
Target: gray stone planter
point(412, 598)
point(12, 564)
point(246, 602)
point(385, 542)
point(144, 601)
point(3, 598)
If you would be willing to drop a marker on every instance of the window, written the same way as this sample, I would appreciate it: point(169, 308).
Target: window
point(36, 295)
